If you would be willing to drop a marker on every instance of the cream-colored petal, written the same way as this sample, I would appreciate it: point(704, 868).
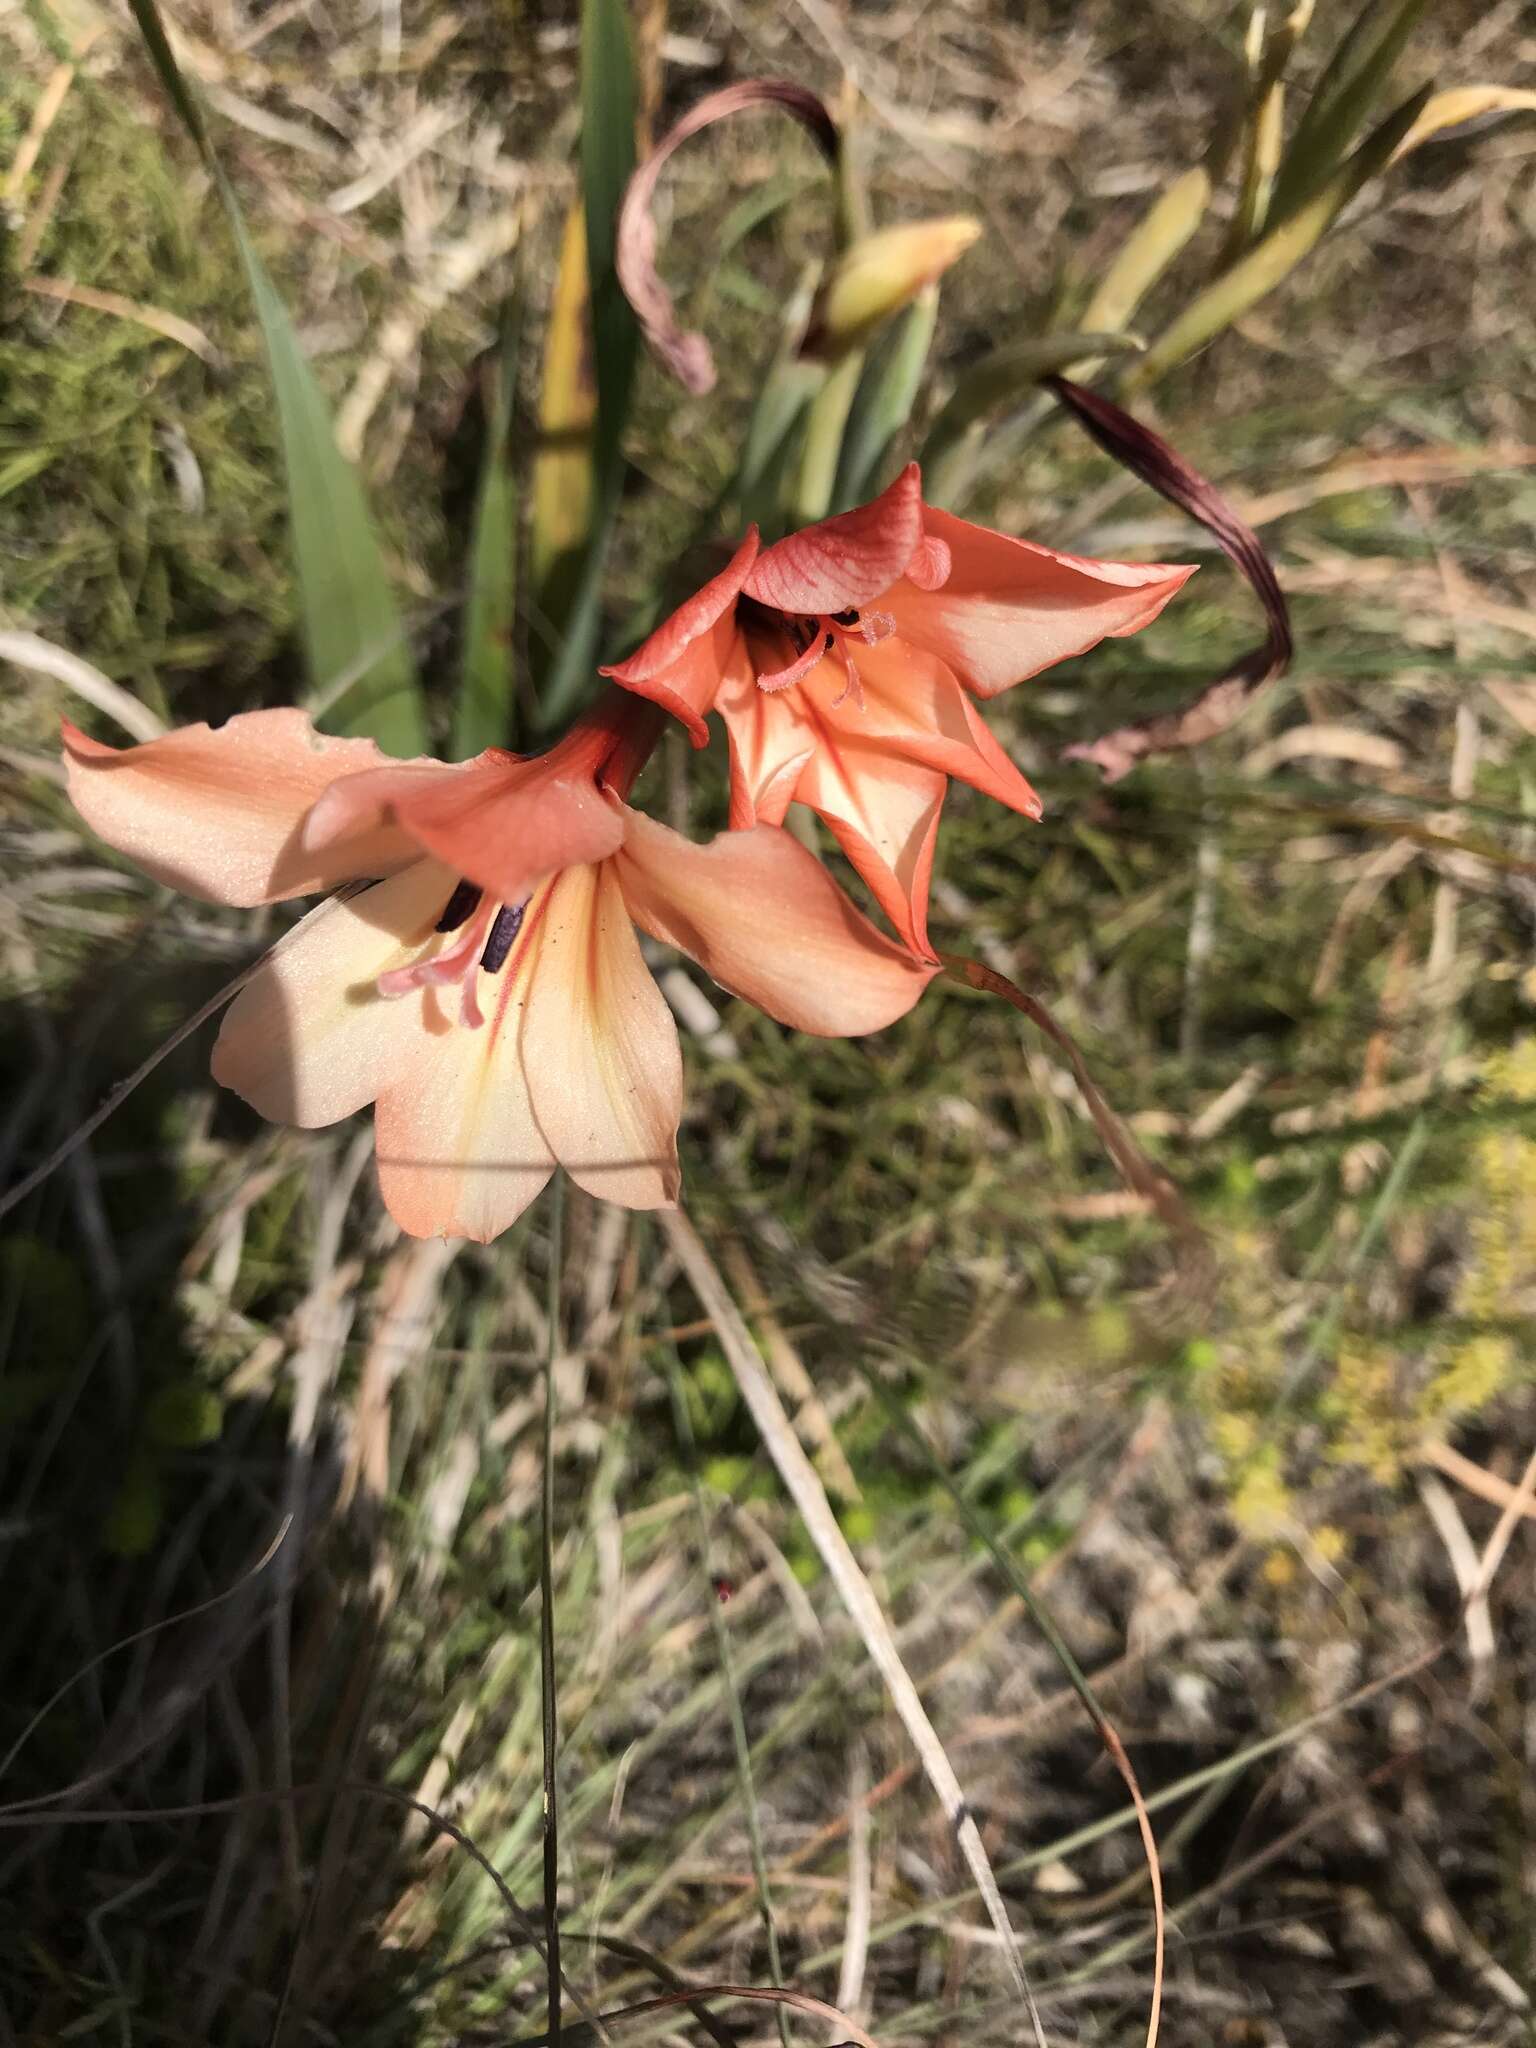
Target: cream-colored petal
point(600, 1048)
point(310, 1039)
point(763, 916)
point(460, 1152)
point(216, 813)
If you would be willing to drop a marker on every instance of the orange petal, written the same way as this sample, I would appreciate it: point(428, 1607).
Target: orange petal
point(600, 1048)
point(500, 822)
point(845, 561)
point(680, 665)
point(763, 916)
point(460, 1151)
point(884, 813)
point(309, 1039)
point(913, 707)
point(1009, 608)
point(770, 744)
point(217, 813)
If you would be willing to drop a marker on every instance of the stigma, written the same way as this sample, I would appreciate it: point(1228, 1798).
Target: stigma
point(814, 638)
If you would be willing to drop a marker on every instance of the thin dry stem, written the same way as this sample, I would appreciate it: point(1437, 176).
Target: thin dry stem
point(809, 1496)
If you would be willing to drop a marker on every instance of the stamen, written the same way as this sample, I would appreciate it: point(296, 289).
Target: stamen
point(853, 683)
point(504, 931)
point(463, 903)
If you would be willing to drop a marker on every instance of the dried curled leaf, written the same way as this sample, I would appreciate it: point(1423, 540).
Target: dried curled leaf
point(686, 354)
point(1149, 456)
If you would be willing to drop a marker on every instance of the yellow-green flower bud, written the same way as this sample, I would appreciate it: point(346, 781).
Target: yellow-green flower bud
point(879, 275)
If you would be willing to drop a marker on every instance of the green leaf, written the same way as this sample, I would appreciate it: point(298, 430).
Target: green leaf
point(787, 389)
point(1273, 258)
point(607, 161)
point(883, 403)
point(1004, 378)
point(759, 206)
point(1356, 75)
point(360, 667)
point(825, 424)
point(483, 716)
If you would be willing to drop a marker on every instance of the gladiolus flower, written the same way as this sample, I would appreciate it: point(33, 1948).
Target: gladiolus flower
point(484, 987)
point(844, 660)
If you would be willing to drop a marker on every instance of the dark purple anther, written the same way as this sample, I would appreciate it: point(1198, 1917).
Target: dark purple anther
point(461, 905)
point(504, 930)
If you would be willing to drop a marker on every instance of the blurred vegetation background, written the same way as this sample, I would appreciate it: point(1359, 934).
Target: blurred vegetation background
point(1283, 1532)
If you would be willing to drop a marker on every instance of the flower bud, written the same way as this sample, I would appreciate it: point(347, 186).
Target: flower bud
point(879, 275)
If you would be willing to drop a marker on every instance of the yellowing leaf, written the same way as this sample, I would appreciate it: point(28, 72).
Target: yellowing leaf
point(1147, 251)
point(562, 469)
point(1464, 103)
point(1271, 260)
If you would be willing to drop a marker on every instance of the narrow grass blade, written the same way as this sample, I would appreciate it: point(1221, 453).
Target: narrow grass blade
point(883, 403)
point(1273, 259)
point(360, 666)
point(1269, 59)
point(775, 430)
point(682, 1422)
point(483, 715)
point(41, 657)
point(1043, 1619)
point(1357, 77)
point(361, 669)
point(826, 420)
point(858, 1596)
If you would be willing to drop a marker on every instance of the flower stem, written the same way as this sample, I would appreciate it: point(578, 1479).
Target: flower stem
point(551, 1726)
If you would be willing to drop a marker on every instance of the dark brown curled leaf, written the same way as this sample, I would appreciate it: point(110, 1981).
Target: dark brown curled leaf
point(686, 354)
point(1149, 456)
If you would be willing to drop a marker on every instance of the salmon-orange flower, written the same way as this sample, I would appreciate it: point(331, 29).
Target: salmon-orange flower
point(844, 658)
point(485, 987)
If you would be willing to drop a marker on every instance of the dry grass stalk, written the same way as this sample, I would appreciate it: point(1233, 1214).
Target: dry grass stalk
point(805, 1488)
